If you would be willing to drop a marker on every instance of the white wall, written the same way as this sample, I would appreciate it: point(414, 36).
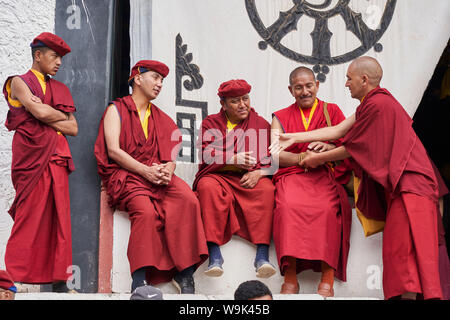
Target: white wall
point(20, 22)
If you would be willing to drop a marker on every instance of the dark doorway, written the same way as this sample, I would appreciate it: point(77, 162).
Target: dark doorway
point(121, 50)
point(431, 123)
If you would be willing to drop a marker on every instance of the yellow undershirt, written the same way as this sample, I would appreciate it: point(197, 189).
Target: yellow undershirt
point(230, 126)
point(16, 103)
point(13, 102)
point(306, 122)
point(144, 122)
point(41, 79)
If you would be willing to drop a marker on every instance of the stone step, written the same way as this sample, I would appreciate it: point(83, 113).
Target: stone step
point(126, 296)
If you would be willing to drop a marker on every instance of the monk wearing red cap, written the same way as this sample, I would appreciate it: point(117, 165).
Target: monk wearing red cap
point(41, 109)
point(312, 217)
point(7, 288)
point(136, 149)
point(398, 182)
point(235, 195)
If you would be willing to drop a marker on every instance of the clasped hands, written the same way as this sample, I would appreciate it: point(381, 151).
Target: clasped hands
point(159, 174)
point(245, 161)
point(310, 159)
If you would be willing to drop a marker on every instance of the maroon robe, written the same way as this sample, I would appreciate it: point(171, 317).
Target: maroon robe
point(39, 249)
point(162, 217)
point(399, 185)
point(312, 217)
point(227, 208)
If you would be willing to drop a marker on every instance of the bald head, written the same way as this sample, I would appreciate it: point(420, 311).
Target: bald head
point(363, 75)
point(303, 86)
point(299, 72)
point(370, 67)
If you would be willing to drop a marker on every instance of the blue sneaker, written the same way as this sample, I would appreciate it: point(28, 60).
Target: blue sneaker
point(214, 268)
point(264, 269)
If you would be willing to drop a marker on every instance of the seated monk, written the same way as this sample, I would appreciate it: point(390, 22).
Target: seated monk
point(312, 216)
point(235, 196)
point(135, 152)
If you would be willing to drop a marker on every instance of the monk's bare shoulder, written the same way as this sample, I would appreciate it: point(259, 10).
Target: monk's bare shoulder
point(19, 89)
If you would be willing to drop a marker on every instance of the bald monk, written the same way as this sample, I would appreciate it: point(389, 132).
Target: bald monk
point(235, 195)
point(136, 150)
point(41, 109)
point(312, 215)
point(398, 182)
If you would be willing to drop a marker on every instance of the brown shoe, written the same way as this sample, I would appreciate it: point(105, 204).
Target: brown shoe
point(325, 290)
point(290, 288)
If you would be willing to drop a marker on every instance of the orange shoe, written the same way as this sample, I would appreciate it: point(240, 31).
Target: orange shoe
point(290, 288)
point(325, 290)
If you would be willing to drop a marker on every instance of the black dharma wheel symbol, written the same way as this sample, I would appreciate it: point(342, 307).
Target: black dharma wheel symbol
point(321, 36)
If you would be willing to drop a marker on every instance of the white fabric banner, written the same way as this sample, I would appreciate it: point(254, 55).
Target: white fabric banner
point(140, 30)
point(208, 42)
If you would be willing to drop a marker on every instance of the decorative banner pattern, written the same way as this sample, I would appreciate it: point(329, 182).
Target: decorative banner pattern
point(183, 68)
point(321, 35)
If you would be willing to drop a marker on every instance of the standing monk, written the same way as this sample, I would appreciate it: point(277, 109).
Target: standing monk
point(235, 196)
point(39, 249)
point(398, 182)
point(136, 148)
point(312, 216)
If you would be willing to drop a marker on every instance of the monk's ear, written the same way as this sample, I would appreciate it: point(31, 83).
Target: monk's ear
point(365, 79)
point(222, 103)
point(138, 79)
point(37, 55)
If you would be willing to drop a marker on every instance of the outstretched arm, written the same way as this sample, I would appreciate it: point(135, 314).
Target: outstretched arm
point(282, 141)
point(286, 159)
point(314, 159)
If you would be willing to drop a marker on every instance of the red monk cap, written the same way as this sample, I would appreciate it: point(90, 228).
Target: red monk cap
point(234, 88)
point(47, 39)
point(6, 282)
point(149, 65)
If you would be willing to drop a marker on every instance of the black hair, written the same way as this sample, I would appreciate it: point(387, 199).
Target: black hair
point(41, 49)
point(251, 289)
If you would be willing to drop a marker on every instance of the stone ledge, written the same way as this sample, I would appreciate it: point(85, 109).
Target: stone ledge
point(126, 296)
